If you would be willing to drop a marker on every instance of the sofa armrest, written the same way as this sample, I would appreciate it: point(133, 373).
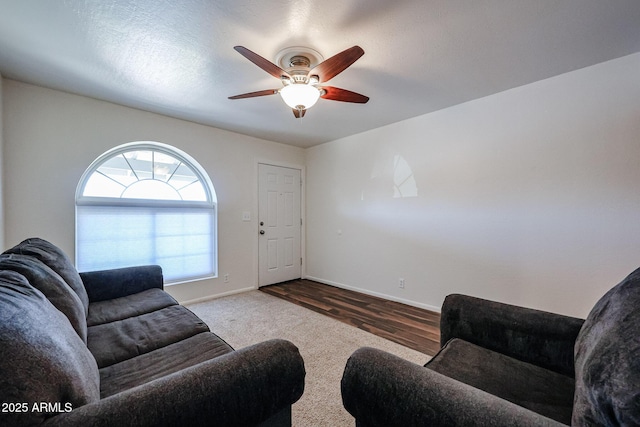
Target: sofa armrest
point(381, 389)
point(533, 336)
point(244, 387)
point(119, 282)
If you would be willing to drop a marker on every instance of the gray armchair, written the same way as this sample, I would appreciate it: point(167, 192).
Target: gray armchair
point(503, 365)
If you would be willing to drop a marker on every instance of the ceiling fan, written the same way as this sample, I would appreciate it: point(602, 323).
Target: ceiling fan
point(302, 78)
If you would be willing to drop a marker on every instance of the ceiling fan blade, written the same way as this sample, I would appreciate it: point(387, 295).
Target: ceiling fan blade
point(298, 113)
point(254, 94)
point(265, 64)
point(328, 69)
point(337, 94)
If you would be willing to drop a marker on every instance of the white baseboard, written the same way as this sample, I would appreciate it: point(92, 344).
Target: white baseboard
point(210, 297)
point(376, 294)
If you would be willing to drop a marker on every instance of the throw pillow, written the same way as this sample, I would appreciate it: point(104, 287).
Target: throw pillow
point(45, 368)
point(52, 286)
point(58, 261)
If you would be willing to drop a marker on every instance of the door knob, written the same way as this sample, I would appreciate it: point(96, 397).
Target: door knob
point(261, 231)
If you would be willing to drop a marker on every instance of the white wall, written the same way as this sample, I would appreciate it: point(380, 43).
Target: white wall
point(51, 137)
point(530, 196)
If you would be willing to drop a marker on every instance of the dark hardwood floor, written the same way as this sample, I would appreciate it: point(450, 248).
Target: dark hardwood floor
point(410, 326)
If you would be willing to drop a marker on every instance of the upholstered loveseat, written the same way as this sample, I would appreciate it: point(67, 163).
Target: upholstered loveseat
point(111, 348)
point(503, 365)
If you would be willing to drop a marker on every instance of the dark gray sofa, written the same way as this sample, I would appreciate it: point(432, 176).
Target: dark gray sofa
point(503, 365)
point(111, 348)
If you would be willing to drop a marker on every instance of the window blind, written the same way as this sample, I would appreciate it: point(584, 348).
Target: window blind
point(178, 239)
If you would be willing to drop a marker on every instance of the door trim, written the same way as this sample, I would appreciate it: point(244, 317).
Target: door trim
point(254, 219)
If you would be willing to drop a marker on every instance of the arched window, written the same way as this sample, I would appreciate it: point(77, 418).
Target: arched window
point(147, 203)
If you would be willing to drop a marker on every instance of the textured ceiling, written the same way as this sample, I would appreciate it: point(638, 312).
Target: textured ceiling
point(177, 58)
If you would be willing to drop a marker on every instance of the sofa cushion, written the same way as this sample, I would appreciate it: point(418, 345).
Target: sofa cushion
point(540, 390)
point(123, 339)
point(161, 362)
point(42, 359)
point(57, 260)
point(103, 285)
point(132, 305)
point(52, 286)
point(607, 358)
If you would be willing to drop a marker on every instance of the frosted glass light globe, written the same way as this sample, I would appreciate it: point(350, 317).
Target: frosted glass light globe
point(299, 95)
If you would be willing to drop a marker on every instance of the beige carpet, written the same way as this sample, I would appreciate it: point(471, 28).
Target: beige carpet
point(325, 345)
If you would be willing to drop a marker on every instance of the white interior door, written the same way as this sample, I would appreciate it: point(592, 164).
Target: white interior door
point(279, 217)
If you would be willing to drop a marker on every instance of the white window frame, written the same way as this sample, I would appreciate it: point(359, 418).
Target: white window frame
point(184, 158)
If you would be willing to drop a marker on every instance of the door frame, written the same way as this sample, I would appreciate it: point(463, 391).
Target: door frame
point(254, 220)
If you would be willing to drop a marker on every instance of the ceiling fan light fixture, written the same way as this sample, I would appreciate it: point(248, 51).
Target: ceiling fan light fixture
point(300, 96)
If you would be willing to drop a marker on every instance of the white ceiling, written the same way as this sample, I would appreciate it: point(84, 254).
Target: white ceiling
point(176, 57)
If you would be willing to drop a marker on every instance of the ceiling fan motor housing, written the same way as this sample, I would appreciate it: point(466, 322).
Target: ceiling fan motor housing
point(285, 58)
point(299, 61)
point(299, 67)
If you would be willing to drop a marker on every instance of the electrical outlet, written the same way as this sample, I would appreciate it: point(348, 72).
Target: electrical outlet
point(226, 278)
point(401, 283)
